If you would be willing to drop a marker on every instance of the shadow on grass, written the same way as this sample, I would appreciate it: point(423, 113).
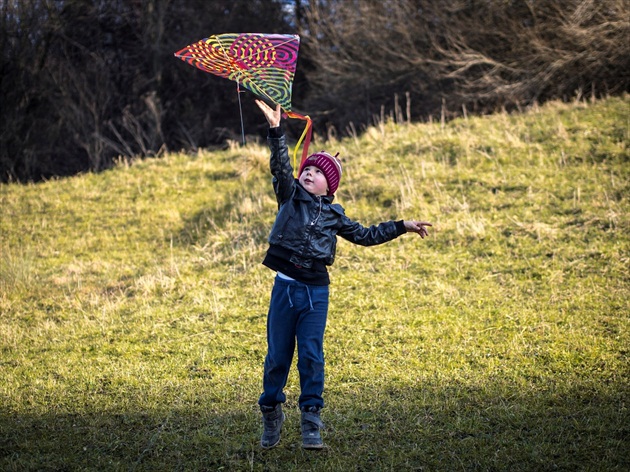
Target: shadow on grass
point(197, 226)
point(456, 427)
point(206, 224)
point(174, 440)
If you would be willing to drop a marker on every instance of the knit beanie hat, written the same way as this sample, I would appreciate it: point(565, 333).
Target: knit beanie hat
point(329, 165)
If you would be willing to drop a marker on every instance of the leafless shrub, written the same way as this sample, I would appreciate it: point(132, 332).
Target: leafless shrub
point(482, 54)
point(83, 82)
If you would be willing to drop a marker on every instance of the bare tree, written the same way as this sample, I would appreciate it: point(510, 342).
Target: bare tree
point(539, 50)
point(85, 81)
point(486, 53)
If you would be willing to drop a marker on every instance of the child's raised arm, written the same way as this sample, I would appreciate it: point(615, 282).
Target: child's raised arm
point(273, 116)
point(417, 227)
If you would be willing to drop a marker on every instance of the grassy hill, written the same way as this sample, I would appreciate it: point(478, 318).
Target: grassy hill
point(133, 305)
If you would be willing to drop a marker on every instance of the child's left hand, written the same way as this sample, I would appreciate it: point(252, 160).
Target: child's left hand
point(417, 227)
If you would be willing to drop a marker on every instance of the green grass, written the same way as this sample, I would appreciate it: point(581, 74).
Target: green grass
point(133, 306)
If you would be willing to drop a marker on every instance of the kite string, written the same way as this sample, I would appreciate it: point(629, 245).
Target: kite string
point(240, 110)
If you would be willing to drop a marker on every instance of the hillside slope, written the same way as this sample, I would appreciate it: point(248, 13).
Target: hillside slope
point(133, 302)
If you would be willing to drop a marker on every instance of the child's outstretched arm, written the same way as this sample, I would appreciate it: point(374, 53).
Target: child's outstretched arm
point(273, 116)
point(417, 227)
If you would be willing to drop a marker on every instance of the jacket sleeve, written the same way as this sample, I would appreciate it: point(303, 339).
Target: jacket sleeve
point(370, 236)
point(280, 165)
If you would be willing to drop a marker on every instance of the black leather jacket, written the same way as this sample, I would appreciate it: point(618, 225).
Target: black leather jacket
point(306, 225)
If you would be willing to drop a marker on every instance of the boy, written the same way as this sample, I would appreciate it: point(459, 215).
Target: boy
point(302, 244)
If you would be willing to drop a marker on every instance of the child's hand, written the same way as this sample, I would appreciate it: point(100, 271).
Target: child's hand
point(418, 227)
point(273, 116)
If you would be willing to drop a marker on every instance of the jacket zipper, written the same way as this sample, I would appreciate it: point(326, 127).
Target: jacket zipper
point(320, 211)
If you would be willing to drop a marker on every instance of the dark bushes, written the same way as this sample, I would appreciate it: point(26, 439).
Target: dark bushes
point(85, 81)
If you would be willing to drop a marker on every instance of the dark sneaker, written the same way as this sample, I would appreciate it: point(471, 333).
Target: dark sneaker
point(311, 425)
point(273, 417)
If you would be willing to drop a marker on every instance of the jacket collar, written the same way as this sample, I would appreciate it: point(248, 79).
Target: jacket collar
point(304, 195)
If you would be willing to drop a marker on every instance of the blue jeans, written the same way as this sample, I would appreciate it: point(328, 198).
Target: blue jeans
point(297, 312)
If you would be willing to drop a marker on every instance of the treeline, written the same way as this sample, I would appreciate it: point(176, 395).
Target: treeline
point(84, 82)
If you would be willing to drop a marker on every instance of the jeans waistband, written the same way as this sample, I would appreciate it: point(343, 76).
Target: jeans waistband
point(296, 283)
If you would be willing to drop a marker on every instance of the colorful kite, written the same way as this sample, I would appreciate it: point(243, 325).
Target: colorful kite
point(262, 63)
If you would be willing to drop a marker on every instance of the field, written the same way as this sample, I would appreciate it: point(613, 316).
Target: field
point(133, 306)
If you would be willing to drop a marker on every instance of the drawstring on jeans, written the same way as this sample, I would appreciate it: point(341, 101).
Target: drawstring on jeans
point(308, 291)
point(289, 296)
point(310, 301)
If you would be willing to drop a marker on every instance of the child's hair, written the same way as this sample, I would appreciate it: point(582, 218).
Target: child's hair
point(329, 165)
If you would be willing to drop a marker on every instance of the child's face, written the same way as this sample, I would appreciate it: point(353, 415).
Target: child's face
point(314, 181)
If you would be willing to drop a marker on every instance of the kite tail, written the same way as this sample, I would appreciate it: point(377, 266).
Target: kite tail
point(306, 137)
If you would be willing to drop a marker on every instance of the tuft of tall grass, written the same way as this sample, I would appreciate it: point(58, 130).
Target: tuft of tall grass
point(15, 269)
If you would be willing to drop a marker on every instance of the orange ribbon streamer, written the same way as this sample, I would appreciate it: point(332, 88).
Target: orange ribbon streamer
point(306, 138)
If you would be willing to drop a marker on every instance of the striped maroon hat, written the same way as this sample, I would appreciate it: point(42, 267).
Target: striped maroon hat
point(329, 165)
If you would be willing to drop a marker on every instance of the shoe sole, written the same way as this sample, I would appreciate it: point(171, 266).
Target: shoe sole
point(313, 447)
point(269, 447)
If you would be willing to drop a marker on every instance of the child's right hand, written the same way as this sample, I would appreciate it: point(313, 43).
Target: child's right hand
point(273, 116)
